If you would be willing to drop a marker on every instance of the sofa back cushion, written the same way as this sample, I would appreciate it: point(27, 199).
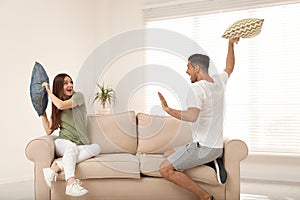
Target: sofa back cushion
point(115, 133)
point(157, 134)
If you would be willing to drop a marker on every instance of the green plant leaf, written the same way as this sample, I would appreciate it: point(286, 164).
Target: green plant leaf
point(105, 94)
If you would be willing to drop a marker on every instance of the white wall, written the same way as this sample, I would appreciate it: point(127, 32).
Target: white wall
point(58, 34)
point(116, 18)
point(61, 34)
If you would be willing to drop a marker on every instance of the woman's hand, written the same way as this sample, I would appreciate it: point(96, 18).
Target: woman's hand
point(60, 104)
point(46, 86)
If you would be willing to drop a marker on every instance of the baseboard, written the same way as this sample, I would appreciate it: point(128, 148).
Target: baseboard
point(271, 168)
point(16, 180)
point(275, 182)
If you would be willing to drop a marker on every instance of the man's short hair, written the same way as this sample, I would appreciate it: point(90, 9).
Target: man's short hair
point(199, 59)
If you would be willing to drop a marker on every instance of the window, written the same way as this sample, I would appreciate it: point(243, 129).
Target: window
point(263, 93)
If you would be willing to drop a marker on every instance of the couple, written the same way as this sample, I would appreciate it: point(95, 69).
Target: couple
point(205, 112)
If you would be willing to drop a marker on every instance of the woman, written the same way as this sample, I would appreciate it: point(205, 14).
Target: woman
point(72, 144)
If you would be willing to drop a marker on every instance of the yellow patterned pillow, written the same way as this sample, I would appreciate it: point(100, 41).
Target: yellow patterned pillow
point(245, 28)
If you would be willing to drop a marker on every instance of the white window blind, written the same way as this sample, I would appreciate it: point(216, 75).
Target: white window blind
point(263, 93)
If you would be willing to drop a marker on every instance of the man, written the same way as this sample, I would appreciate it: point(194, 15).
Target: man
point(205, 112)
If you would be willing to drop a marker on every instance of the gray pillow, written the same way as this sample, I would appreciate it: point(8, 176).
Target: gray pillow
point(38, 93)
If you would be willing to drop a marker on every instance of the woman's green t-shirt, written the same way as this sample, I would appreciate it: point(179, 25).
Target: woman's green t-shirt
point(74, 122)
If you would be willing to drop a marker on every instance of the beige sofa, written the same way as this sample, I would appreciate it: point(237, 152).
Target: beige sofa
point(131, 153)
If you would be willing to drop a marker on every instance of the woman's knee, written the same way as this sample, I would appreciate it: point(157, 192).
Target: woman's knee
point(62, 146)
point(71, 150)
point(95, 149)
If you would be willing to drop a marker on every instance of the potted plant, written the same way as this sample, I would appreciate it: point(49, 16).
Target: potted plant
point(105, 95)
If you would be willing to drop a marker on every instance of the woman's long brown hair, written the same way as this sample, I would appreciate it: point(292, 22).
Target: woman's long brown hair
point(57, 90)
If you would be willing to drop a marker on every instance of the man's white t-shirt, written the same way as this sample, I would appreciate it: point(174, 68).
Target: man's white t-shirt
point(209, 98)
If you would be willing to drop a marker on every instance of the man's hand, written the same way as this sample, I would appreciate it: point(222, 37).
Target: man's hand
point(190, 115)
point(163, 102)
point(234, 40)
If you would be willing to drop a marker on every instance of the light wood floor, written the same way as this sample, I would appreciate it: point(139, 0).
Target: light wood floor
point(250, 190)
point(256, 190)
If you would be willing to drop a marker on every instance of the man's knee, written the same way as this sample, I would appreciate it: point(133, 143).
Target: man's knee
point(166, 171)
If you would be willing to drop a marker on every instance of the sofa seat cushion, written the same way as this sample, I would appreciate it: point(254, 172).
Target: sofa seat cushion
point(121, 165)
point(150, 164)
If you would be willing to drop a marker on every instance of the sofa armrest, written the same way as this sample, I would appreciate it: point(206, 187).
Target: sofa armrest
point(41, 150)
point(234, 152)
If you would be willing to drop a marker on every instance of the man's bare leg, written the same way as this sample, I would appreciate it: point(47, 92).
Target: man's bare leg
point(181, 179)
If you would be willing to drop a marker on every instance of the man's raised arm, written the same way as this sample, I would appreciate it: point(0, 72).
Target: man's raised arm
point(230, 60)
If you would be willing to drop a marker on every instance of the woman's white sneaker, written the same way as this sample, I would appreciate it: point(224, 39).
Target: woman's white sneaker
point(75, 189)
point(49, 176)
